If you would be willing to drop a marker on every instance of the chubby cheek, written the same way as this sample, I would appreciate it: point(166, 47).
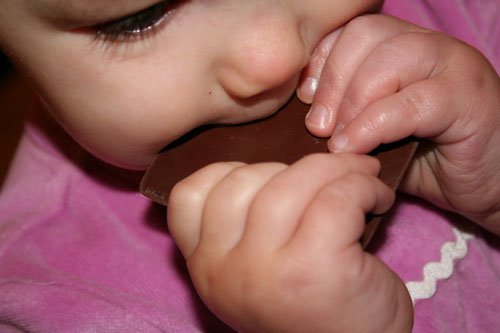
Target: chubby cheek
point(123, 119)
point(129, 135)
point(125, 112)
point(118, 139)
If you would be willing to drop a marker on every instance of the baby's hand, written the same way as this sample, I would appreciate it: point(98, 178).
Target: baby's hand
point(275, 248)
point(382, 79)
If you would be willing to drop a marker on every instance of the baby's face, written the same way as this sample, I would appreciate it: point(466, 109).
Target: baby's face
point(125, 77)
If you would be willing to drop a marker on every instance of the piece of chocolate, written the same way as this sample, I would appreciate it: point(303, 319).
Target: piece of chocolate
point(279, 138)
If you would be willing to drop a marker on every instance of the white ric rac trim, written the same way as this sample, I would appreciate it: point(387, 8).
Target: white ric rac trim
point(434, 271)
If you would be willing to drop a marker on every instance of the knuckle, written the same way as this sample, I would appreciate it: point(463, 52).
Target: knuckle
point(373, 124)
point(334, 191)
point(345, 190)
point(359, 92)
point(423, 102)
point(360, 25)
point(399, 48)
point(189, 190)
point(413, 45)
point(363, 23)
point(315, 158)
point(318, 161)
point(202, 276)
point(241, 174)
point(186, 191)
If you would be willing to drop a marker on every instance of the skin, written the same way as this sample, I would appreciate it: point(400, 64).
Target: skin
point(162, 86)
point(272, 247)
point(408, 81)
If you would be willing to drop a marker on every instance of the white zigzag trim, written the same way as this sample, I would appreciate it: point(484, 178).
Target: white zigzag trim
point(434, 271)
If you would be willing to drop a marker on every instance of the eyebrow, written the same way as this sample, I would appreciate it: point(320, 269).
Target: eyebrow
point(81, 12)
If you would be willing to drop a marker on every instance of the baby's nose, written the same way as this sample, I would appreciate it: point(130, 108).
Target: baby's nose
point(259, 59)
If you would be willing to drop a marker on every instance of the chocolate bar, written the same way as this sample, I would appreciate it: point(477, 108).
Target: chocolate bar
point(279, 138)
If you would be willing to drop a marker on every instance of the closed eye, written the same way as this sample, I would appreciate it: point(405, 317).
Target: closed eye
point(135, 26)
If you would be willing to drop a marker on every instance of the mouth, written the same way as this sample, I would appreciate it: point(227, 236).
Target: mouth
point(249, 111)
point(281, 137)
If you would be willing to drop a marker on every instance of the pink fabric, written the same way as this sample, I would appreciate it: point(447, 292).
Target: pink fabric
point(468, 301)
point(81, 250)
point(473, 21)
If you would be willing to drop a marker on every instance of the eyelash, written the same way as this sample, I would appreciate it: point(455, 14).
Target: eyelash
point(136, 26)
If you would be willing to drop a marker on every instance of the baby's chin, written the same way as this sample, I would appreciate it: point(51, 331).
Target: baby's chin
point(136, 161)
point(123, 152)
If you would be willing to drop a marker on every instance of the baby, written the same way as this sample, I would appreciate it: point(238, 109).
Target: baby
point(269, 247)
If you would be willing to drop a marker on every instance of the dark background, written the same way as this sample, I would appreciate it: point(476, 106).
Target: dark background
point(5, 66)
point(14, 97)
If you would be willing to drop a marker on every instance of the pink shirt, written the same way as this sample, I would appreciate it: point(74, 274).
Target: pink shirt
point(81, 250)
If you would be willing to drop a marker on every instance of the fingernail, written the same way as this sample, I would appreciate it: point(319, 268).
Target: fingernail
point(338, 143)
point(308, 89)
point(338, 128)
point(318, 116)
point(311, 85)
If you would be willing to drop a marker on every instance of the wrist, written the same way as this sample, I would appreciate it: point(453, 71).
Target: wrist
point(492, 222)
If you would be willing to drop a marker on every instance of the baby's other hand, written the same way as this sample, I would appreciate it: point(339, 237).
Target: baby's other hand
point(379, 80)
point(275, 248)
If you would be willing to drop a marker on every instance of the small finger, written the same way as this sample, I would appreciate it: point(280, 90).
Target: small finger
point(311, 74)
point(276, 210)
point(423, 110)
point(356, 42)
point(335, 218)
point(389, 68)
point(187, 201)
point(226, 209)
